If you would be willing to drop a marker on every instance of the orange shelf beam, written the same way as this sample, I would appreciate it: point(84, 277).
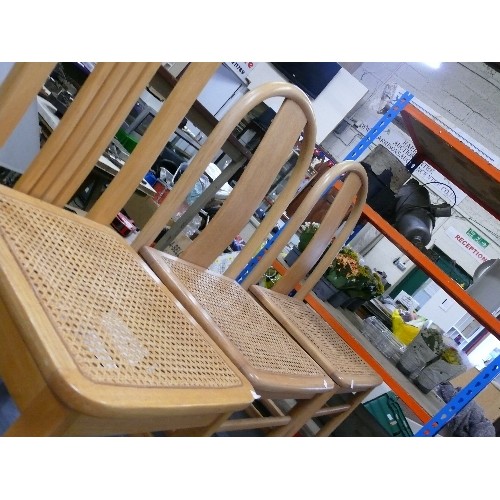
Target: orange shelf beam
point(456, 161)
point(473, 307)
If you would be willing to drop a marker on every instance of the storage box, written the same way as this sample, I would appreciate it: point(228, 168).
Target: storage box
point(383, 339)
point(140, 209)
point(177, 246)
point(387, 412)
point(292, 255)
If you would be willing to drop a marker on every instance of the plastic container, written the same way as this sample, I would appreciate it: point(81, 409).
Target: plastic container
point(383, 339)
point(292, 255)
point(324, 289)
point(150, 178)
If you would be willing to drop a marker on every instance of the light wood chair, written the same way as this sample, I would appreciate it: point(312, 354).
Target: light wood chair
point(258, 345)
point(350, 373)
point(91, 342)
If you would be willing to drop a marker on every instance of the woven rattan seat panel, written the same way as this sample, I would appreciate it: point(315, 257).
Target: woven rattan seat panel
point(118, 324)
point(256, 335)
point(336, 357)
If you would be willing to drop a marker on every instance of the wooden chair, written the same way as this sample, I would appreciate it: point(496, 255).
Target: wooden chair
point(91, 342)
point(349, 372)
point(257, 344)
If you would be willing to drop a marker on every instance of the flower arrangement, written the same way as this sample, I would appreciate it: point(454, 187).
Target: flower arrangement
point(433, 337)
point(357, 280)
point(271, 276)
point(367, 285)
point(308, 230)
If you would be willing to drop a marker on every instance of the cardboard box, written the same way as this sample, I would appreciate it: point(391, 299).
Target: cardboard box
point(140, 209)
point(175, 248)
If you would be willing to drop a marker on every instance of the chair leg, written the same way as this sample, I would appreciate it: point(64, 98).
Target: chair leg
point(334, 422)
point(45, 416)
point(301, 413)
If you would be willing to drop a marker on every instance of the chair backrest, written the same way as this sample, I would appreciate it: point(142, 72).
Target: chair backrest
point(295, 116)
point(89, 125)
point(337, 224)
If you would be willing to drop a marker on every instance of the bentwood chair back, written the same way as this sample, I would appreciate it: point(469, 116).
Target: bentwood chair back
point(257, 344)
point(91, 342)
point(275, 148)
point(89, 125)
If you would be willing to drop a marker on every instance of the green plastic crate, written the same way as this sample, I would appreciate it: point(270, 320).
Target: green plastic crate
point(126, 141)
point(387, 412)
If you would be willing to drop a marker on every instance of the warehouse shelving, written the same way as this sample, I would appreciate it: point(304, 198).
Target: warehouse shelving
point(478, 179)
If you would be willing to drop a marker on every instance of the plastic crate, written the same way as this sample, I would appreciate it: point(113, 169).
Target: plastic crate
point(387, 412)
point(383, 339)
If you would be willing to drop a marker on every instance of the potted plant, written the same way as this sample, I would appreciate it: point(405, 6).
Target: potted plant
point(307, 231)
point(366, 286)
point(425, 348)
point(447, 366)
point(324, 290)
point(271, 276)
point(341, 274)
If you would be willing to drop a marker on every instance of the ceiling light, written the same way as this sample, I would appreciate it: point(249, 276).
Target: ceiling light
point(433, 65)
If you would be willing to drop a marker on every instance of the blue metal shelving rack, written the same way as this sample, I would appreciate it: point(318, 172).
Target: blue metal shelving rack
point(461, 399)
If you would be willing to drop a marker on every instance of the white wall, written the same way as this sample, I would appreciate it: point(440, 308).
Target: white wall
point(222, 90)
point(466, 94)
point(442, 309)
point(24, 142)
point(338, 98)
point(381, 257)
point(458, 94)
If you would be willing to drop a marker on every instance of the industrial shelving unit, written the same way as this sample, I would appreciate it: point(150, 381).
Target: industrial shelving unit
point(481, 181)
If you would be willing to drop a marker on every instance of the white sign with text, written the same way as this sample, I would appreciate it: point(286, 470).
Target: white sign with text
point(465, 244)
point(240, 69)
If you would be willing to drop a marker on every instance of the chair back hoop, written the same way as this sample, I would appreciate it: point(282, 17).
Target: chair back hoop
point(351, 196)
point(294, 116)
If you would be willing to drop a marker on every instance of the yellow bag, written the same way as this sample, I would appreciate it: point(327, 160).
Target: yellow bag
point(405, 332)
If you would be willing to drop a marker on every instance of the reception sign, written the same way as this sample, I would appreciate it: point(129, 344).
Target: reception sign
point(465, 243)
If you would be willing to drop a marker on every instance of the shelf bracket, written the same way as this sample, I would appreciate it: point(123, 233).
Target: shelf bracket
point(380, 126)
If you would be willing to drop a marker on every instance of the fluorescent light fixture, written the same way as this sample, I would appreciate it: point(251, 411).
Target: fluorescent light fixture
point(433, 65)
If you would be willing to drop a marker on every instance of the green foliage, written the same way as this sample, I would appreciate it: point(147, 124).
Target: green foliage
point(451, 355)
point(308, 230)
point(271, 276)
point(433, 338)
point(346, 273)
